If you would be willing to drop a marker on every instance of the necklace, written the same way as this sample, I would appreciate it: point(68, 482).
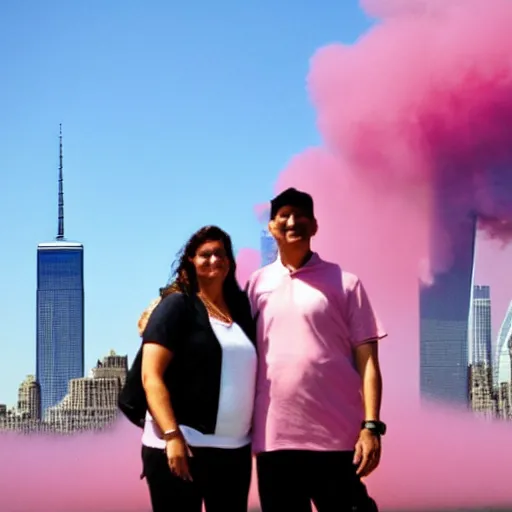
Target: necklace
point(215, 312)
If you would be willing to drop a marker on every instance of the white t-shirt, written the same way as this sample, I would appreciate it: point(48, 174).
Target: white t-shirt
point(236, 399)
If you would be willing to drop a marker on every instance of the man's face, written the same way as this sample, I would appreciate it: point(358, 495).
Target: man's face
point(292, 225)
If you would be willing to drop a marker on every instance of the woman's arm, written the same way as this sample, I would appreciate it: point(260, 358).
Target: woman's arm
point(165, 330)
point(155, 360)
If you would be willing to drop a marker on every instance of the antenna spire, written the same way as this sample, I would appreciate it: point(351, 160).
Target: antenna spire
point(60, 231)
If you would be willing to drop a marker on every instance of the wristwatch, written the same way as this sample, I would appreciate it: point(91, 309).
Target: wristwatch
point(377, 428)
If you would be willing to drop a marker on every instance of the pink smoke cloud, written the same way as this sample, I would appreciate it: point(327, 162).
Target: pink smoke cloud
point(262, 212)
point(86, 472)
point(400, 8)
point(247, 261)
point(423, 101)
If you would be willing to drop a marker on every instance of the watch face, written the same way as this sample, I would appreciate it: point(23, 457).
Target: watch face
point(375, 426)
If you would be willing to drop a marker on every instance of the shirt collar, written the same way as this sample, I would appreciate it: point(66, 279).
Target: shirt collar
point(315, 259)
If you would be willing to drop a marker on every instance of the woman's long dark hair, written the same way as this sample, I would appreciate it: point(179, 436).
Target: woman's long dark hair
point(184, 277)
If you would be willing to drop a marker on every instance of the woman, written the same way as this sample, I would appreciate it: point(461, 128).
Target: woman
point(198, 373)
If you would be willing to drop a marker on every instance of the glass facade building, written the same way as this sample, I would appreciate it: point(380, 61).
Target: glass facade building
point(268, 248)
point(444, 324)
point(503, 363)
point(480, 332)
point(60, 319)
point(483, 400)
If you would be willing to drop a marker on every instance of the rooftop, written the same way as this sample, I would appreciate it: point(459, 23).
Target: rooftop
point(59, 244)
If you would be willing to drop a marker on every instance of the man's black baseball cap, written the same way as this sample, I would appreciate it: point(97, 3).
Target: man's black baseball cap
point(292, 197)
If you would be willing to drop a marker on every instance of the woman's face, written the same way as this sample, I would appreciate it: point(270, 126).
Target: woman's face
point(211, 261)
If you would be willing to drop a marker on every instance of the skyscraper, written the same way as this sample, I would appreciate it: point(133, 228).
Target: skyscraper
point(268, 248)
point(480, 332)
point(60, 310)
point(479, 342)
point(444, 318)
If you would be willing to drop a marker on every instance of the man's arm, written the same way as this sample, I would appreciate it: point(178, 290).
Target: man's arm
point(368, 448)
point(367, 363)
point(366, 331)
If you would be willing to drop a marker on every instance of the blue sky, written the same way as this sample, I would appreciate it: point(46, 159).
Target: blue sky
point(174, 115)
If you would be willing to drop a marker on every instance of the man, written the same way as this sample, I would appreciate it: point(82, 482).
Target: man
point(317, 429)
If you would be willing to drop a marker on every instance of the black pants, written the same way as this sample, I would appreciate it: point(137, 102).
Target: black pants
point(291, 480)
point(221, 479)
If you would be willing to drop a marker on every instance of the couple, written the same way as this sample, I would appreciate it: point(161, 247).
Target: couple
point(287, 370)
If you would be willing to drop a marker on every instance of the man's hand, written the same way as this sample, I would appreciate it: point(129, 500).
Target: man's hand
point(367, 453)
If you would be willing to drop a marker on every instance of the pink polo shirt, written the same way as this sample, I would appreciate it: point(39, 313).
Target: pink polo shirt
point(308, 391)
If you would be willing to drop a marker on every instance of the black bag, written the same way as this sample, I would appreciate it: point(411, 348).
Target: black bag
point(132, 400)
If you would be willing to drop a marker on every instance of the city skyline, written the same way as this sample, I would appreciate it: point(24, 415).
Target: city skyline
point(90, 403)
point(59, 398)
point(459, 363)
